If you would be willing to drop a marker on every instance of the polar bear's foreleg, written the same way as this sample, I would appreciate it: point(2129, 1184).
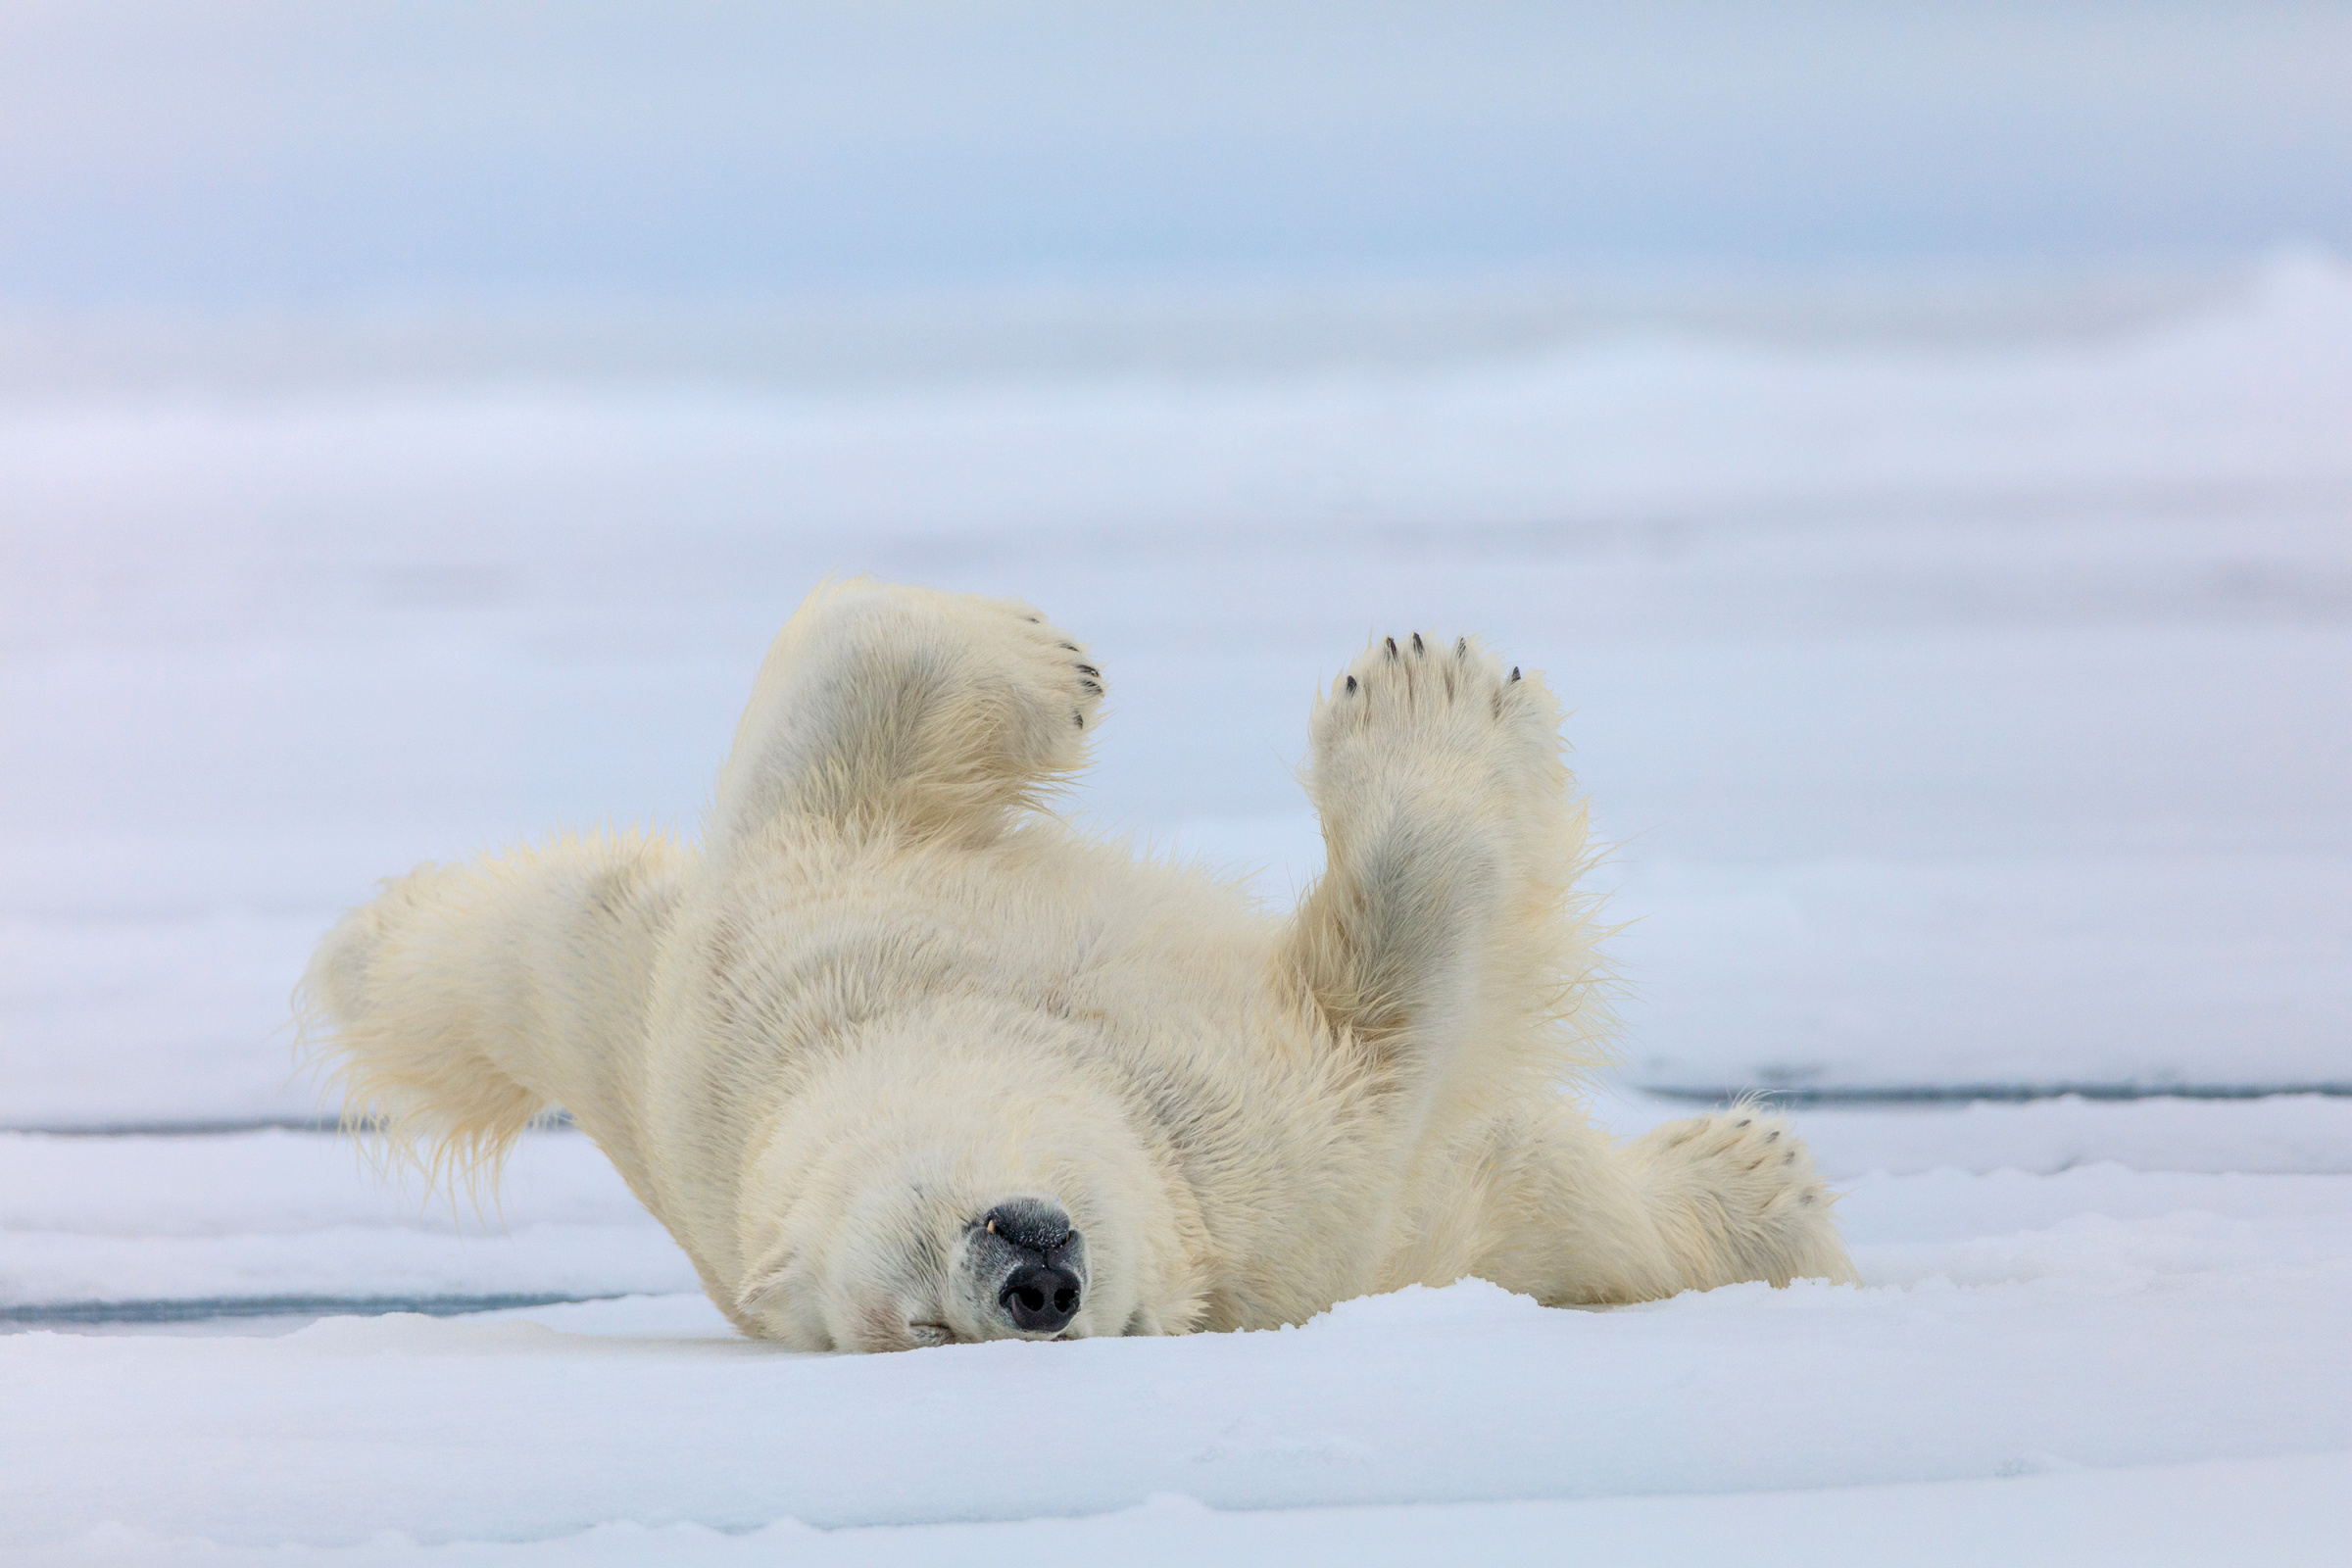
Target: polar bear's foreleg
point(1577, 1219)
point(1443, 936)
point(930, 713)
point(464, 1000)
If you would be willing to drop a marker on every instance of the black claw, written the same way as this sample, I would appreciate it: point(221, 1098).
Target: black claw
point(1092, 687)
point(1392, 648)
point(1417, 648)
point(1514, 672)
point(1079, 719)
point(1351, 684)
point(1088, 670)
point(1461, 648)
point(1035, 620)
point(1073, 647)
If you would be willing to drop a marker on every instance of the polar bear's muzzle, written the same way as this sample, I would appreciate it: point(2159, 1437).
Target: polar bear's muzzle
point(1026, 1261)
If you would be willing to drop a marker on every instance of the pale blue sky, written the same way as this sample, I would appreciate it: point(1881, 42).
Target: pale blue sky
point(243, 151)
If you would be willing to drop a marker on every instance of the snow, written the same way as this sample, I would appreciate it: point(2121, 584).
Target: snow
point(2212, 1331)
point(1966, 718)
point(1970, 720)
point(2286, 1511)
point(2065, 1292)
point(297, 1216)
point(2278, 1135)
point(299, 1219)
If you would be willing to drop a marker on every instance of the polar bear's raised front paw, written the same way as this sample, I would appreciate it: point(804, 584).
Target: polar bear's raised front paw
point(1058, 663)
point(1442, 712)
point(1449, 842)
point(1454, 696)
point(934, 711)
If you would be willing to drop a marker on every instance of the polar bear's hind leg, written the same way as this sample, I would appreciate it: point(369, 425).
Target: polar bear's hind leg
point(1576, 1218)
point(933, 714)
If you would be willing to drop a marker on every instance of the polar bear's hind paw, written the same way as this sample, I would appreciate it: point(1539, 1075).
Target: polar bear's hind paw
point(1741, 1190)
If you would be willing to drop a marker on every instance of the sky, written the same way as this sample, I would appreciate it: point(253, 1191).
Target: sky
point(256, 152)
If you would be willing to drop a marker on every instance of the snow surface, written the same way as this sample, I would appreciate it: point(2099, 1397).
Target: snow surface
point(1973, 719)
point(2205, 1324)
point(2274, 1511)
point(2065, 1292)
point(299, 1218)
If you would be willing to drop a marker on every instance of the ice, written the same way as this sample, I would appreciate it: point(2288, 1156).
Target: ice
point(291, 1218)
point(1968, 719)
point(2275, 1135)
point(2097, 1342)
point(2281, 1512)
point(301, 1221)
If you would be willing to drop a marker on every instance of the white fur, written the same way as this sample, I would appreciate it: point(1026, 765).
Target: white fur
point(891, 991)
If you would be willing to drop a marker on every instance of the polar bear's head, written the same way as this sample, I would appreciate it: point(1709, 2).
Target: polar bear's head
point(974, 1202)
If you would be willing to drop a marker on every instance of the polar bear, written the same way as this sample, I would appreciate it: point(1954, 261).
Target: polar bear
point(902, 1060)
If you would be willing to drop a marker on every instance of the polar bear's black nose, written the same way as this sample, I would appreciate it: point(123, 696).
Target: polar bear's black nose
point(1044, 1262)
point(1041, 1298)
point(1033, 1224)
